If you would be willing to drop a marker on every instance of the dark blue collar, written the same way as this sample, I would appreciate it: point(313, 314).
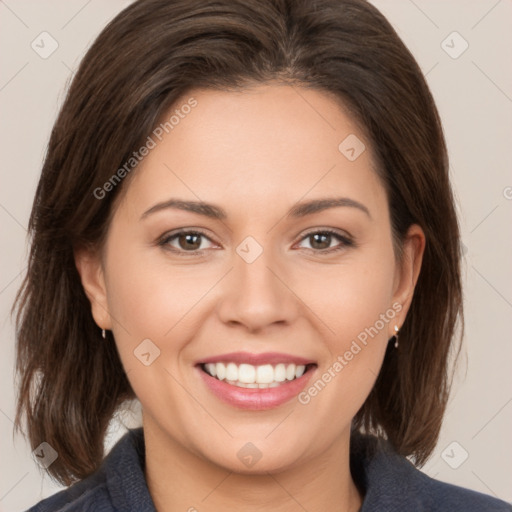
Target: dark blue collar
point(388, 482)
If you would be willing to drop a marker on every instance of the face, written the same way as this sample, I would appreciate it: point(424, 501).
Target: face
point(290, 299)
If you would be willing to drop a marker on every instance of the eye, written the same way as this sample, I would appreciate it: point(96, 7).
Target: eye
point(186, 241)
point(321, 241)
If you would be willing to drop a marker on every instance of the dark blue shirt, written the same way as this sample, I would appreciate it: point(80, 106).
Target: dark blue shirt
point(389, 483)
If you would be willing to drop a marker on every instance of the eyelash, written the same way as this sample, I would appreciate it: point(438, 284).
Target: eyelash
point(165, 239)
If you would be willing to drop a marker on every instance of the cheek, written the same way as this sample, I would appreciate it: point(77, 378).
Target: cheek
point(147, 296)
point(147, 301)
point(359, 315)
point(358, 293)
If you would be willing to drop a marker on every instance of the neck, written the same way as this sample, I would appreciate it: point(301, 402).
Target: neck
point(179, 479)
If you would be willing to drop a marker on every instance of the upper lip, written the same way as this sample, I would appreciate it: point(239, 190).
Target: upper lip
point(257, 359)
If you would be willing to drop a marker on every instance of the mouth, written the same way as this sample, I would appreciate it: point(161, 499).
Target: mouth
point(256, 381)
point(256, 377)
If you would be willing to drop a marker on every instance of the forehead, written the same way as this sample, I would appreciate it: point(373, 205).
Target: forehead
point(260, 147)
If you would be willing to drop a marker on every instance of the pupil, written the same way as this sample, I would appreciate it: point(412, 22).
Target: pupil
point(188, 245)
point(323, 235)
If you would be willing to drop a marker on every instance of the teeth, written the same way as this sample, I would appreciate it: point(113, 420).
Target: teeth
point(264, 374)
point(211, 369)
point(280, 373)
point(249, 376)
point(246, 373)
point(220, 371)
point(231, 371)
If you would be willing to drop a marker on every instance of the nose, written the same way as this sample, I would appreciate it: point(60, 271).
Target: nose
point(258, 294)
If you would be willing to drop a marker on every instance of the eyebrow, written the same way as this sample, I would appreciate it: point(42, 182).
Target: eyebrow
point(299, 210)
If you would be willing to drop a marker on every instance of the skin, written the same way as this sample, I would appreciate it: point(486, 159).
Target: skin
point(255, 153)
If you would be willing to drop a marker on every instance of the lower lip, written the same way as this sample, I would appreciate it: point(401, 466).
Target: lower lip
point(254, 398)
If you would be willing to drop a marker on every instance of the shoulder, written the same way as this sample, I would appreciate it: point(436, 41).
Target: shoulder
point(87, 495)
point(447, 497)
point(119, 483)
point(390, 483)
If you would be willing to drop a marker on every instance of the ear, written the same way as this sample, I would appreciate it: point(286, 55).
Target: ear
point(407, 271)
point(90, 268)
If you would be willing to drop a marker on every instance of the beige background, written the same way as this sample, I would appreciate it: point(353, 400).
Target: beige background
point(474, 96)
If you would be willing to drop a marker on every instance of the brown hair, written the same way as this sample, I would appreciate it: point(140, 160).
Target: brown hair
point(151, 54)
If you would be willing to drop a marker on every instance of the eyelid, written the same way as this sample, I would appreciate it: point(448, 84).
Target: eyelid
point(334, 231)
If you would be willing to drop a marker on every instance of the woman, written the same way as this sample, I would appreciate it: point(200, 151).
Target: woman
point(245, 221)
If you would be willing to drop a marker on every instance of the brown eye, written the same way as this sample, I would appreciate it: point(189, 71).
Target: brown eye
point(184, 242)
point(190, 241)
point(320, 241)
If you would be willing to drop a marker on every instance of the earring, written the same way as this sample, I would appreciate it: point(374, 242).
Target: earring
point(103, 335)
point(396, 335)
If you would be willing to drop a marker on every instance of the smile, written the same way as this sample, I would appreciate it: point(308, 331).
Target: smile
point(250, 376)
point(255, 381)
